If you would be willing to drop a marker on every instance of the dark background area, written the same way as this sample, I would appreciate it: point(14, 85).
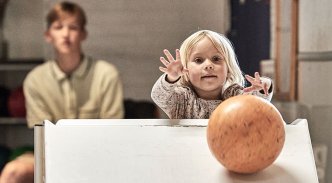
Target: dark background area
point(250, 33)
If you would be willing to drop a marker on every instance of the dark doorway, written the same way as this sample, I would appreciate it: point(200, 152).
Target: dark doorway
point(250, 32)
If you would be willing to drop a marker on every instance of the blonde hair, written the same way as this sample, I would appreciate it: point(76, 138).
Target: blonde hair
point(64, 9)
point(223, 45)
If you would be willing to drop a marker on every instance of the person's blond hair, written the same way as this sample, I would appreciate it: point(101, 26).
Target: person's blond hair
point(64, 9)
point(223, 45)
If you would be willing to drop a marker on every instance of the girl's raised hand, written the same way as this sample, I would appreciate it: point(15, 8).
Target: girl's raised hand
point(173, 67)
point(257, 83)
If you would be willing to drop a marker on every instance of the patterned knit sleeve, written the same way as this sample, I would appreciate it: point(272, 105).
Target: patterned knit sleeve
point(169, 97)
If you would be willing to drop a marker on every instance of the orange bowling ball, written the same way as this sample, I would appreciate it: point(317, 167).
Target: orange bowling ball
point(246, 134)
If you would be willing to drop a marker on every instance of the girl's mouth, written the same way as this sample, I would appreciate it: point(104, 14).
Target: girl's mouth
point(208, 76)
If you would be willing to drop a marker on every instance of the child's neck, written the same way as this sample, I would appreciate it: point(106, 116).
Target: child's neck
point(69, 63)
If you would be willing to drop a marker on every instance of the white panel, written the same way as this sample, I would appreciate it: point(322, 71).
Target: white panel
point(143, 152)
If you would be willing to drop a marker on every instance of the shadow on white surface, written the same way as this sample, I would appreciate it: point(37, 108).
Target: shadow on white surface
point(273, 173)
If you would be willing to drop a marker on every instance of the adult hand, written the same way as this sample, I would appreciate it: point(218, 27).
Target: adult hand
point(173, 67)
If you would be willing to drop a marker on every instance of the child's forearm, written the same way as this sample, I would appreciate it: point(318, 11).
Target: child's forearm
point(162, 92)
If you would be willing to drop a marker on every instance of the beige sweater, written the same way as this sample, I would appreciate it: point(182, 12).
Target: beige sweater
point(94, 90)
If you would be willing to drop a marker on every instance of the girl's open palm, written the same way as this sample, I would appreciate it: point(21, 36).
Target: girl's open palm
point(257, 83)
point(173, 67)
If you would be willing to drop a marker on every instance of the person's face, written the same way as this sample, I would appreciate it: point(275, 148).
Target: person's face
point(207, 70)
point(66, 35)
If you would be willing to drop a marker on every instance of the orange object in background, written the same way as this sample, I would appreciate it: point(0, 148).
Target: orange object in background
point(246, 134)
point(16, 103)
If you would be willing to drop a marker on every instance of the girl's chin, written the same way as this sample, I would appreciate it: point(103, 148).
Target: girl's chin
point(209, 89)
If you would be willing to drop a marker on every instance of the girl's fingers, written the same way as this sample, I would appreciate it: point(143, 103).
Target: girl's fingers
point(265, 89)
point(257, 76)
point(248, 89)
point(255, 81)
point(250, 79)
point(168, 55)
point(164, 61)
point(177, 52)
point(256, 88)
point(163, 69)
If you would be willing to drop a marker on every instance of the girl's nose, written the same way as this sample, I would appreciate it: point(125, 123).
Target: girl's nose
point(209, 65)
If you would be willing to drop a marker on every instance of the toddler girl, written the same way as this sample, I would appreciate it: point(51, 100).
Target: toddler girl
point(204, 73)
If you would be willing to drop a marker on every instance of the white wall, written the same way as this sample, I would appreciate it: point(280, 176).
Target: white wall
point(23, 29)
